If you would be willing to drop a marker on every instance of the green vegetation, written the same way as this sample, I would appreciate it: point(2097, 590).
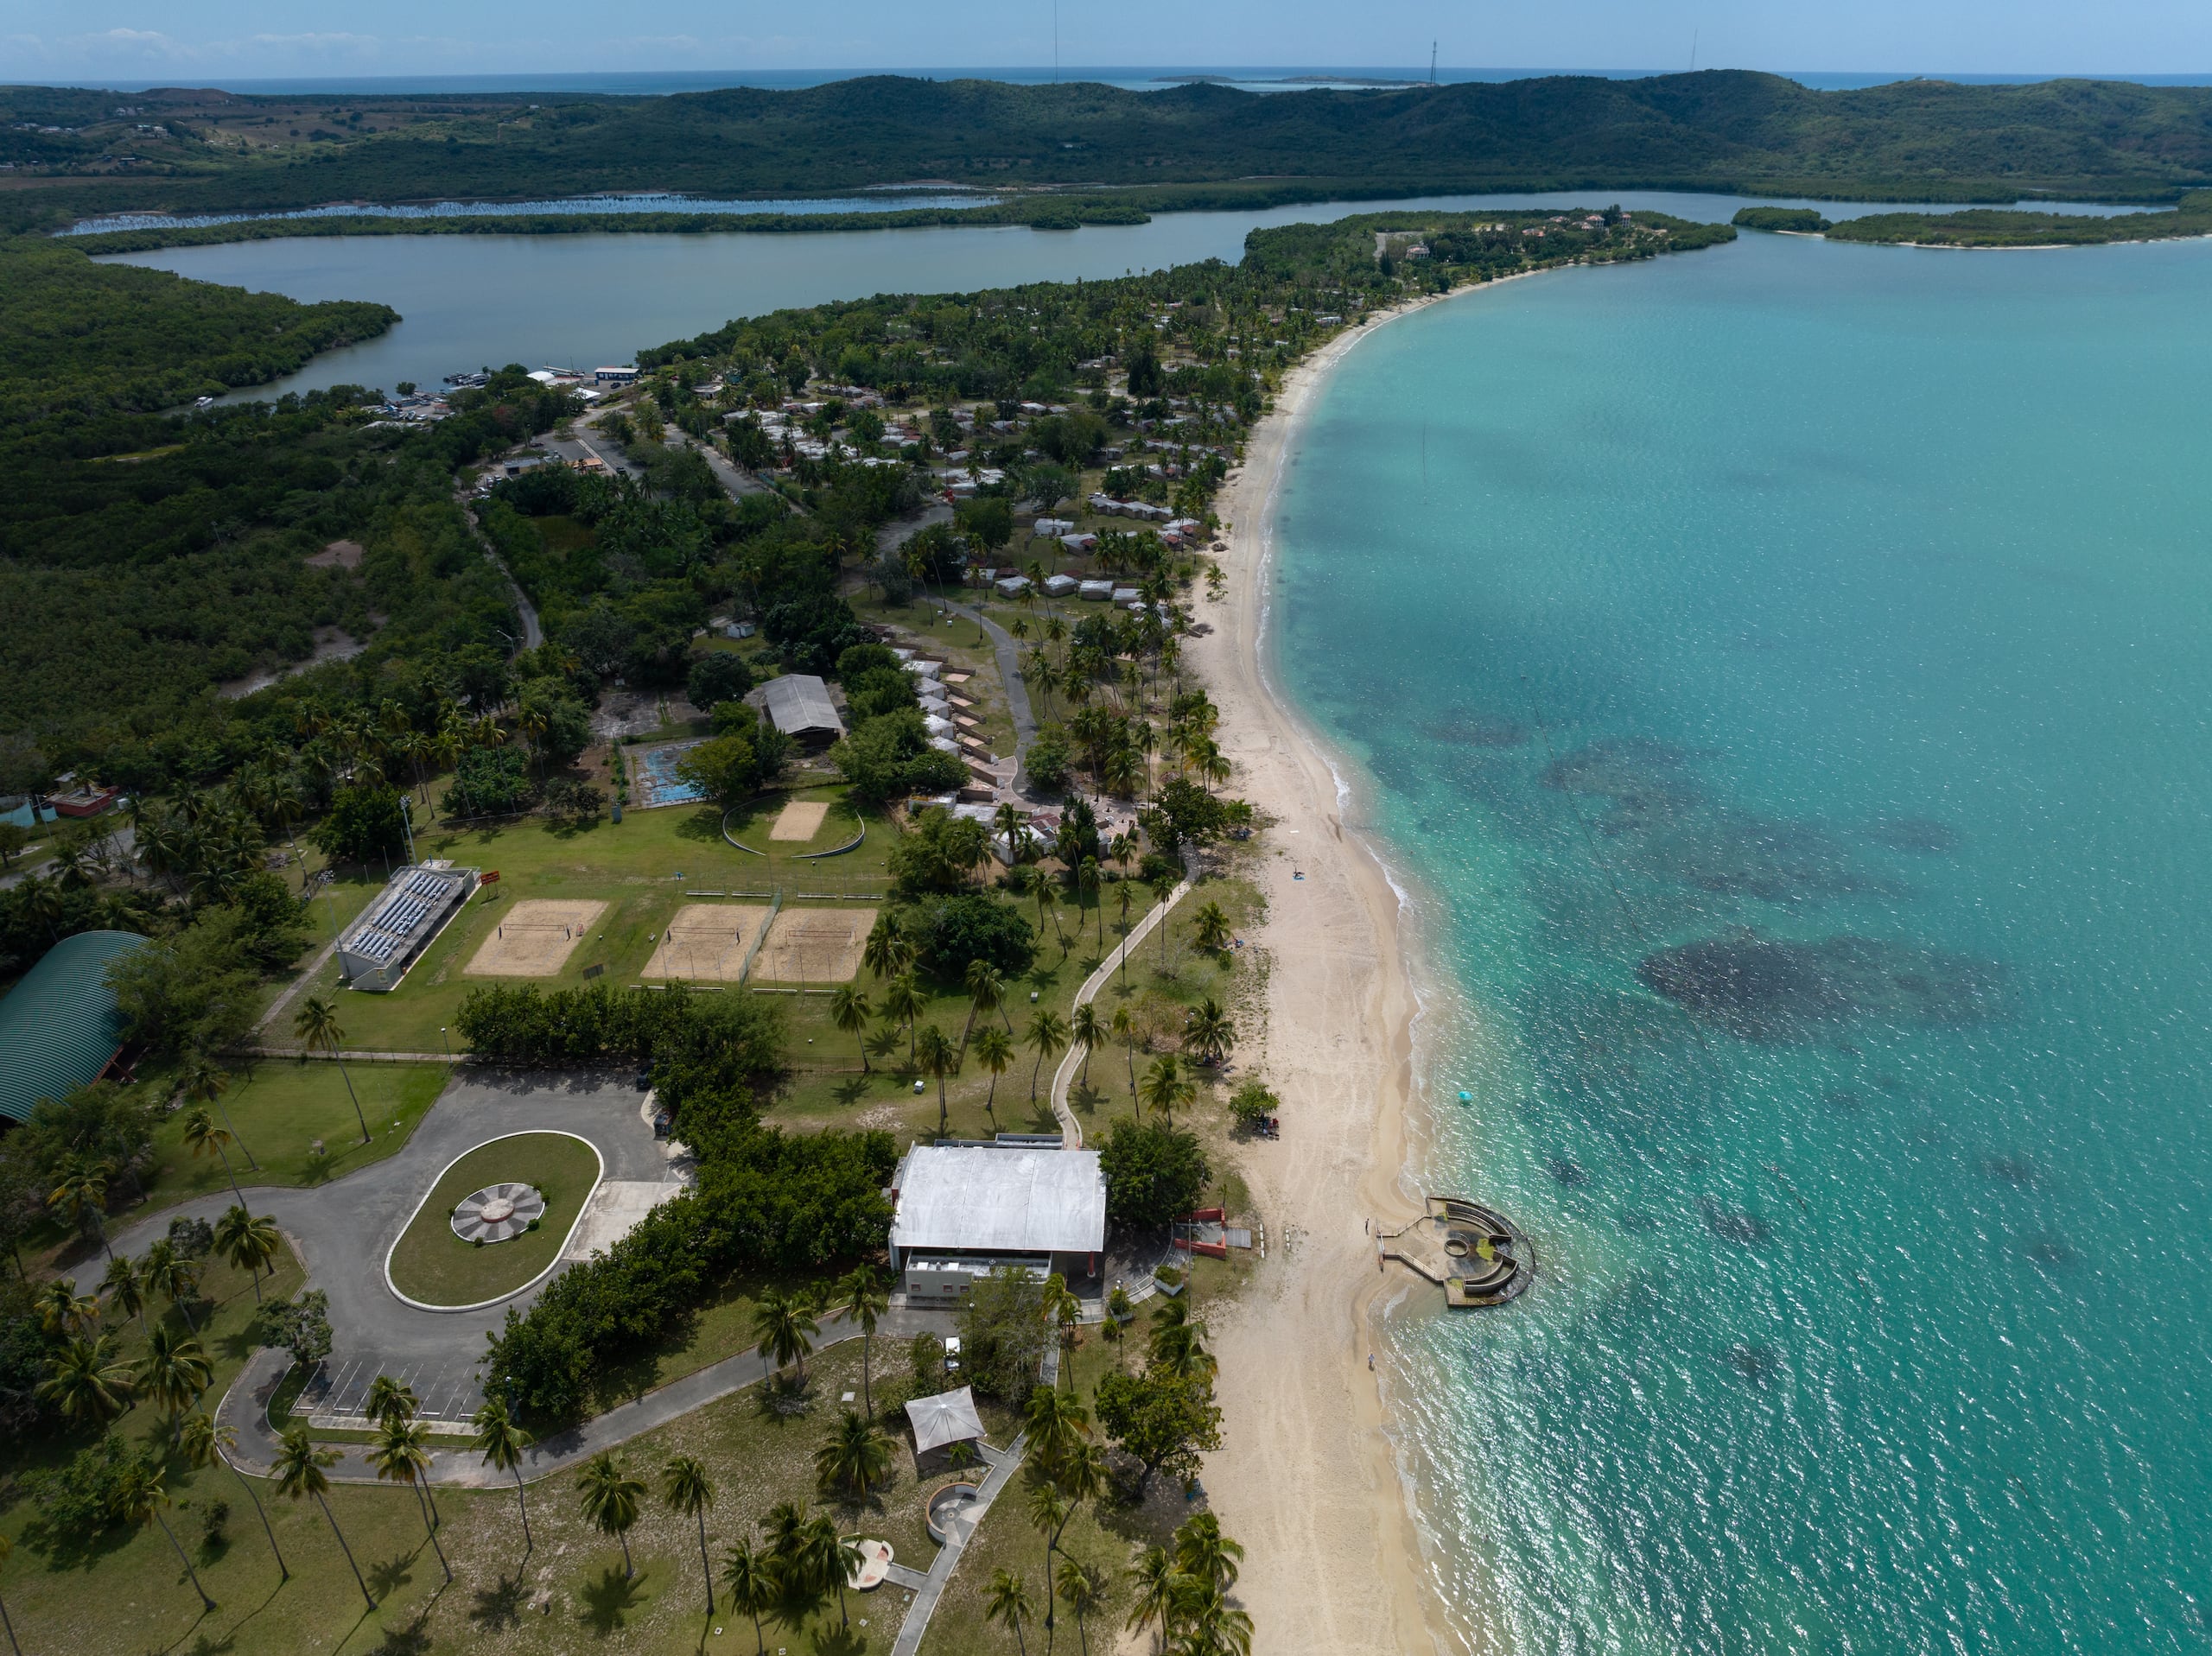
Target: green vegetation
point(1182, 147)
point(1984, 228)
point(433, 1264)
point(1803, 220)
point(281, 1109)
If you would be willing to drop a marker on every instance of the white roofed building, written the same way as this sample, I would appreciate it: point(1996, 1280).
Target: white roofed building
point(963, 1210)
point(798, 704)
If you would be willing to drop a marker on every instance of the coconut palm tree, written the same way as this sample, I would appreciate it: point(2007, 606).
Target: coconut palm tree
point(610, 1499)
point(862, 1298)
point(500, 1442)
point(940, 1058)
point(316, 1024)
point(1165, 1086)
point(685, 1487)
point(1156, 1579)
point(249, 1243)
point(201, 1134)
point(1176, 1345)
point(138, 1500)
point(1125, 1028)
point(1047, 1037)
point(1056, 1423)
point(400, 1454)
point(1127, 894)
point(1163, 885)
point(390, 1399)
point(86, 1382)
point(903, 1003)
point(81, 1192)
point(1080, 1589)
point(786, 1327)
point(205, 1082)
point(1048, 905)
point(1007, 1602)
point(175, 1370)
point(1208, 1032)
point(1048, 1511)
point(853, 1458)
point(62, 1310)
point(849, 1011)
point(1087, 882)
point(202, 1441)
point(173, 1277)
point(750, 1575)
point(126, 1291)
point(986, 992)
point(299, 1472)
point(1087, 1031)
point(995, 1052)
point(1210, 929)
point(881, 953)
point(1204, 1554)
point(829, 1559)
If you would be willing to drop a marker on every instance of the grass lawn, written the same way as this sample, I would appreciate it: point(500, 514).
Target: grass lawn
point(281, 1109)
point(435, 1266)
point(128, 1593)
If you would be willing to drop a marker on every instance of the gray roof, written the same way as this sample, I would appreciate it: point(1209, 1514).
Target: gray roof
point(798, 704)
point(1000, 1200)
point(948, 1418)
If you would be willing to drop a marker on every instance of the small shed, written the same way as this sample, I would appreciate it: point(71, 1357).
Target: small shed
point(1098, 591)
point(1012, 585)
point(940, 1422)
point(1059, 586)
point(1053, 525)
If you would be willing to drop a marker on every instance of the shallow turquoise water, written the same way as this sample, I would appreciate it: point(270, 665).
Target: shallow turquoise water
point(1783, 673)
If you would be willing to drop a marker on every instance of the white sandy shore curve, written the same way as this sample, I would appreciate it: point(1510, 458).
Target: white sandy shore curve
point(1308, 1480)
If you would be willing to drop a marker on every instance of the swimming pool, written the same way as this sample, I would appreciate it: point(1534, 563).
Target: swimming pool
point(654, 769)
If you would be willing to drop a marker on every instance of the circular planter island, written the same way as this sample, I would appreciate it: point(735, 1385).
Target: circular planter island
point(493, 1222)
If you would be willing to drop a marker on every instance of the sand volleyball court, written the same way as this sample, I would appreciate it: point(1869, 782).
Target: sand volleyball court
point(706, 943)
point(533, 939)
point(801, 820)
point(814, 946)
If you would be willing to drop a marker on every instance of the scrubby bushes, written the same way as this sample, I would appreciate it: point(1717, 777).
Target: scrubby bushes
point(1155, 1173)
point(951, 931)
point(598, 1024)
point(491, 782)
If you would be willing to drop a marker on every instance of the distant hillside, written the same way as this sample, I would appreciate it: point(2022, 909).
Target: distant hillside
point(1718, 129)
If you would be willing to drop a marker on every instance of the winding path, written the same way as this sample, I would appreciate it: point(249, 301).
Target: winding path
point(1064, 1077)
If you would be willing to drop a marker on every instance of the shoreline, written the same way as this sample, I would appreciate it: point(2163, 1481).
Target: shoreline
point(1313, 1480)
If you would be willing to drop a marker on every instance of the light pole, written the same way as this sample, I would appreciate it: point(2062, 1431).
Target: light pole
point(441, 1036)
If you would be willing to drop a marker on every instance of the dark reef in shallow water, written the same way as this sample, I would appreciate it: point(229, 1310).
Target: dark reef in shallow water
point(1747, 1230)
point(1569, 1173)
point(1466, 729)
point(1756, 1363)
point(1921, 833)
point(2049, 1250)
point(2009, 1170)
point(1640, 778)
point(1777, 989)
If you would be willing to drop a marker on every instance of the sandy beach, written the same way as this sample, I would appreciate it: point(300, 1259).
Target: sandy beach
point(1307, 1479)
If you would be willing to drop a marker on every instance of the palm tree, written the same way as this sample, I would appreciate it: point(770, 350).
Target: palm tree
point(1085, 1030)
point(1127, 893)
point(986, 992)
point(849, 1011)
point(201, 1440)
point(610, 1501)
point(139, 1498)
point(401, 1453)
point(86, 1383)
point(1125, 1026)
point(1007, 1601)
point(940, 1057)
point(201, 1135)
point(862, 1299)
point(175, 1370)
point(1165, 1086)
point(853, 1458)
point(1156, 1579)
point(126, 1291)
point(1176, 1344)
point(1049, 1510)
point(176, 1278)
point(751, 1578)
point(82, 1193)
point(1086, 879)
point(995, 1052)
point(205, 1082)
point(61, 1309)
point(1208, 1032)
point(500, 1442)
point(887, 952)
point(390, 1399)
point(786, 1327)
point(248, 1243)
point(316, 1024)
point(684, 1487)
point(1080, 1591)
point(1163, 885)
point(828, 1558)
point(1047, 1037)
point(1210, 929)
point(1204, 1554)
point(903, 1001)
point(299, 1472)
point(1056, 1425)
point(1048, 906)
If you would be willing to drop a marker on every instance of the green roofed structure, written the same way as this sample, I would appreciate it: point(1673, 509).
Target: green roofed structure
point(60, 1027)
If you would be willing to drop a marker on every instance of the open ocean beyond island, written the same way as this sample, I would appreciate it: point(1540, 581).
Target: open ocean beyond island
point(1780, 674)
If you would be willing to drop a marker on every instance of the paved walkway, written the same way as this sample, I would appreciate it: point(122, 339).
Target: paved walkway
point(1008, 650)
point(940, 1571)
point(245, 1409)
point(342, 1230)
point(1064, 1077)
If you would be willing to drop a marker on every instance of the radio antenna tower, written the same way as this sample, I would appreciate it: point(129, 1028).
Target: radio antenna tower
point(1432, 63)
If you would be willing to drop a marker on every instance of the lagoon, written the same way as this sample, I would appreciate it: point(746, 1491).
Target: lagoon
point(1779, 677)
point(482, 301)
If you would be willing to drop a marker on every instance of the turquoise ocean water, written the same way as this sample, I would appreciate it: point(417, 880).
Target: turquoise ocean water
point(1781, 675)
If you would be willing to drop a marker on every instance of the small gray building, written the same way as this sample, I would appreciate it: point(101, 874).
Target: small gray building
point(798, 704)
point(391, 933)
point(963, 1210)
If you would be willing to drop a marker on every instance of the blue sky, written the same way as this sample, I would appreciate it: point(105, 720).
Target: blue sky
point(201, 42)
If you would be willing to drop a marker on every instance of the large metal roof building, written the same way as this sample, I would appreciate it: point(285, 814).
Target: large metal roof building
point(60, 1027)
point(798, 704)
point(961, 1209)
